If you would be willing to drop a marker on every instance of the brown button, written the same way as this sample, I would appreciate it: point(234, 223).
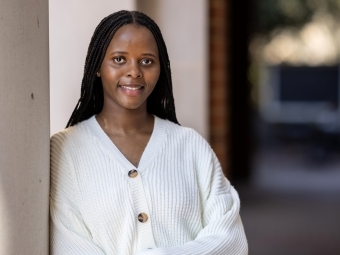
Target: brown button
point(142, 217)
point(133, 173)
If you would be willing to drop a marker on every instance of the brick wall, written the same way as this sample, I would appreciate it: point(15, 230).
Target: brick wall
point(219, 100)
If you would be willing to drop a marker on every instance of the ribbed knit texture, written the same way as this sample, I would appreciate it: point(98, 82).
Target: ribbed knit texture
point(94, 205)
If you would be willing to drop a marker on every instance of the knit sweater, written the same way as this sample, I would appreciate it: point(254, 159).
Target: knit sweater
point(176, 201)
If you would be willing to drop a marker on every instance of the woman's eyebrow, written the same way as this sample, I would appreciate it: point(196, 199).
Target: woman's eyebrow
point(118, 52)
point(149, 54)
point(124, 52)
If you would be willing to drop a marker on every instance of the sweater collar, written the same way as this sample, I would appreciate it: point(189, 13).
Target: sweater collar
point(151, 151)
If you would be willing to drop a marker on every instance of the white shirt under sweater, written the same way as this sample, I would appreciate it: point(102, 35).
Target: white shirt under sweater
point(94, 204)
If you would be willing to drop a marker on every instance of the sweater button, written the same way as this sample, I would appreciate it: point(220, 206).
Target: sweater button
point(133, 173)
point(142, 217)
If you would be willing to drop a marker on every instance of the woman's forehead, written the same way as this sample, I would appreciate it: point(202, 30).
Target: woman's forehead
point(135, 35)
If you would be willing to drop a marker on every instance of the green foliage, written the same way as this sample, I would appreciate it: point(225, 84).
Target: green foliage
point(272, 14)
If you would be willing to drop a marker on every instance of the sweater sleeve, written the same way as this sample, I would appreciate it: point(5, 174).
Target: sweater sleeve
point(222, 232)
point(68, 232)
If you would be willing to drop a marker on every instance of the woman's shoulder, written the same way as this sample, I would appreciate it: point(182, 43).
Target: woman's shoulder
point(71, 135)
point(187, 141)
point(185, 134)
point(174, 128)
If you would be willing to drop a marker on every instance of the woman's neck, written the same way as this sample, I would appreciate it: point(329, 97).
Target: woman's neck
point(125, 122)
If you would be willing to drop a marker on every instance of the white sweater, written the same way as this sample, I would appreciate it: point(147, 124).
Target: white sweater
point(191, 207)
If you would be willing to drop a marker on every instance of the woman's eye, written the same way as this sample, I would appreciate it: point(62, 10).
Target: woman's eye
point(118, 60)
point(147, 61)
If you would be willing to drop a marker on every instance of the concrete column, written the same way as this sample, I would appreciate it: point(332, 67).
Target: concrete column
point(72, 24)
point(24, 127)
point(184, 25)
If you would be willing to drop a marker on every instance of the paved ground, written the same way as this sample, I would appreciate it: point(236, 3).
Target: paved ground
point(292, 204)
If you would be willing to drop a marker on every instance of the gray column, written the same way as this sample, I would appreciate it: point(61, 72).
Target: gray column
point(24, 127)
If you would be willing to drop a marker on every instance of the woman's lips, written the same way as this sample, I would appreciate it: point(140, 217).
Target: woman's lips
point(131, 89)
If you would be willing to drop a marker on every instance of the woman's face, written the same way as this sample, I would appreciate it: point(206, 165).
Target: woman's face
point(130, 69)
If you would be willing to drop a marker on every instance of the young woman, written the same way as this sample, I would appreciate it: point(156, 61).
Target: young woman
point(126, 178)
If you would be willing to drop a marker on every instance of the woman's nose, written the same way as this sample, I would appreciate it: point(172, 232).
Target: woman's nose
point(134, 70)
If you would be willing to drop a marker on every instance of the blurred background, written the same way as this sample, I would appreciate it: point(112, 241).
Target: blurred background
point(260, 80)
point(286, 137)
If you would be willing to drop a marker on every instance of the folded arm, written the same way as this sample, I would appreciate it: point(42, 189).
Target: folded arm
point(222, 232)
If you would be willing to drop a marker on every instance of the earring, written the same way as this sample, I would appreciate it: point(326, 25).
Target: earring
point(98, 74)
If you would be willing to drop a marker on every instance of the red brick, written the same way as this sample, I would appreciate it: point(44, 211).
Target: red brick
point(219, 112)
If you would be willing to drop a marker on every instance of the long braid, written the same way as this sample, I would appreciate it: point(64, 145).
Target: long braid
point(160, 102)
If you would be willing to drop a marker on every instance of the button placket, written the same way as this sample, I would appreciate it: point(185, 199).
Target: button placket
point(144, 229)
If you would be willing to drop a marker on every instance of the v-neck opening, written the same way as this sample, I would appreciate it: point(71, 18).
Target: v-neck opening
point(151, 149)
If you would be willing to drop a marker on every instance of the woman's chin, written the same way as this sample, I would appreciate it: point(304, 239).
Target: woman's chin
point(134, 106)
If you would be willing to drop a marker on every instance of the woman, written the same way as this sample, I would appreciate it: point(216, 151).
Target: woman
point(126, 178)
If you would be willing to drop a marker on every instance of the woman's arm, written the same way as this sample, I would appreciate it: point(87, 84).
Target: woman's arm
point(223, 232)
point(68, 232)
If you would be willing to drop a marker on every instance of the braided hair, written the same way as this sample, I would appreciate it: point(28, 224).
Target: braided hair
point(160, 102)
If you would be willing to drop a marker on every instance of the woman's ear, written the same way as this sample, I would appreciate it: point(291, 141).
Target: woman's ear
point(98, 74)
